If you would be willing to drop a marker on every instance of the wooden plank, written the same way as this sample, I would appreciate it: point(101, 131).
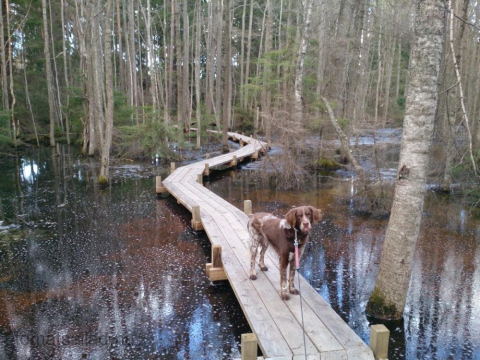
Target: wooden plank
point(210, 198)
point(319, 313)
point(334, 355)
point(270, 339)
point(278, 308)
point(275, 322)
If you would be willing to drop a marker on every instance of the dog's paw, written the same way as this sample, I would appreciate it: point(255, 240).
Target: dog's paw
point(264, 268)
point(294, 291)
point(253, 277)
point(285, 296)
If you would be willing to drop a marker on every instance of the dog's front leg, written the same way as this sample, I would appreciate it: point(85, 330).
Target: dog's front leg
point(291, 274)
point(283, 276)
point(291, 277)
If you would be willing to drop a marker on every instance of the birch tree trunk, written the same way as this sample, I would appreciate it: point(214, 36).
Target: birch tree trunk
point(298, 103)
point(390, 293)
point(46, 50)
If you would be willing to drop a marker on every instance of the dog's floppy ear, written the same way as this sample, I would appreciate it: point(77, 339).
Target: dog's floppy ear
point(291, 217)
point(317, 214)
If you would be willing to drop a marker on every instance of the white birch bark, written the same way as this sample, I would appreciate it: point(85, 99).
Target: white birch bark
point(391, 287)
point(298, 103)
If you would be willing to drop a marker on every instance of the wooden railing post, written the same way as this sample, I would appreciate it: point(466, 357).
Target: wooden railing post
point(215, 270)
point(379, 337)
point(172, 167)
point(247, 207)
point(196, 220)
point(206, 172)
point(249, 347)
point(200, 179)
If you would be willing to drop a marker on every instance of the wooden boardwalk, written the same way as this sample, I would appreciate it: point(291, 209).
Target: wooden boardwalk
point(276, 323)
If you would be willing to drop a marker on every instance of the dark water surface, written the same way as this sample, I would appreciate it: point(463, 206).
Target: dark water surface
point(116, 274)
point(112, 274)
point(442, 316)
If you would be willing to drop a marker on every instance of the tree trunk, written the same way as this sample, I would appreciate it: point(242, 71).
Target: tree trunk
point(49, 76)
point(390, 293)
point(58, 102)
point(219, 65)
point(228, 76)
point(242, 52)
point(298, 103)
point(27, 96)
point(266, 111)
point(120, 47)
point(389, 69)
point(65, 74)
point(169, 95)
point(108, 130)
point(197, 77)
point(210, 75)
point(249, 47)
point(379, 75)
point(15, 128)
point(186, 109)
point(179, 66)
point(5, 100)
point(399, 64)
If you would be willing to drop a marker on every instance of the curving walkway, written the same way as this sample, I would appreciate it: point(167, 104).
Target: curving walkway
point(276, 323)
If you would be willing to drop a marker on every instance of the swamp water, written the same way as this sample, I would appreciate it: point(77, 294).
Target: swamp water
point(118, 274)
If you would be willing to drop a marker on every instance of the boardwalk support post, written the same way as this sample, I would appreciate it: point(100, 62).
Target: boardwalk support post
point(379, 337)
point(241, 143)
point(159, 188)
point(249, 347)
point(215, 270)
point(172, 167)
point(200, 179)
point(234, 161)
point(247, 207)
point(255, 155)
point(196, 220)
point(207, 156)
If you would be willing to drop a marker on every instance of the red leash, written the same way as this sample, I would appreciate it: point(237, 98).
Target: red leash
point(297, 266)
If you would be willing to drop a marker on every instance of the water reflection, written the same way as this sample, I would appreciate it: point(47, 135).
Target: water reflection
point(442, 317)
point(104, 274)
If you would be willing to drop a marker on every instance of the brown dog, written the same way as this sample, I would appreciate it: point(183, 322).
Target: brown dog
point(266, 229)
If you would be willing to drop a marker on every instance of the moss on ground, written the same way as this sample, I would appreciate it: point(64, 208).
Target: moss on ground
point(379, 307)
